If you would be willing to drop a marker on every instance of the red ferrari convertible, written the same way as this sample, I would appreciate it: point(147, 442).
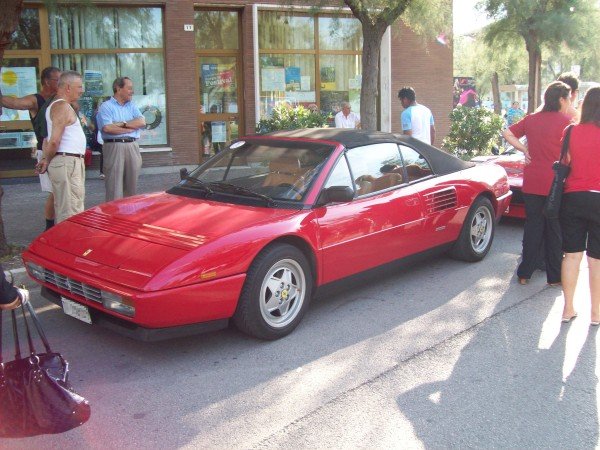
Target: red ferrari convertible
point(252, 233)
point(513, 162)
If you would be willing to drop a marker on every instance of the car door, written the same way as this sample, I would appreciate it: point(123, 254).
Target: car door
point(377, 226)
point(441, 213)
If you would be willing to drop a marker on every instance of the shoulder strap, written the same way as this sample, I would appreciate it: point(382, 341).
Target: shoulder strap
point(565, 144)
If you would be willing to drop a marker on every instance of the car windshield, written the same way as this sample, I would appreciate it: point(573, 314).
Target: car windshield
point(266, 169)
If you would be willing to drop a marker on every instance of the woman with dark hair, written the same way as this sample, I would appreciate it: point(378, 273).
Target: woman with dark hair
point(580, 209)
point(543, 130)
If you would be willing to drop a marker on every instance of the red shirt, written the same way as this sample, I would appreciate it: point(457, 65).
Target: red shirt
point(584, 150)
point(544, 131)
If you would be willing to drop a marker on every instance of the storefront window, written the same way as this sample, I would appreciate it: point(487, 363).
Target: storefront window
point(340, 33)
point(282, 31)
point(216, 30)
point(27, 35)
point(90, 29)
point(296, 71)
point(98, 27)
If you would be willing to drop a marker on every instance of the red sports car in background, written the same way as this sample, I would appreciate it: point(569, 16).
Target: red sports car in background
point(250, 234)
point(513, 162)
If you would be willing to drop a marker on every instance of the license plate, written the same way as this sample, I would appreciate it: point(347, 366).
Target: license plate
point(76, 310)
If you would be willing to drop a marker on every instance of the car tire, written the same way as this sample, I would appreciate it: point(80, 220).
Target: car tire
point(276, 293)
point(477, 233)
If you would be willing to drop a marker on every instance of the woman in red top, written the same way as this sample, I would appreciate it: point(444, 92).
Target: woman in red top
point(580, 209)
point(543, 130)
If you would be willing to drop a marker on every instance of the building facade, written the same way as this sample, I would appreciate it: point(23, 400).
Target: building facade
point(205, 73)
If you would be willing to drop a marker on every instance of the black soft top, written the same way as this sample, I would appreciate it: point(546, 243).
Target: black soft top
point(440, 161)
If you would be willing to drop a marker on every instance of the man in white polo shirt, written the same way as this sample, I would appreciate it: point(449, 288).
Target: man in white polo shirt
point(346, 118)
point(417, 120)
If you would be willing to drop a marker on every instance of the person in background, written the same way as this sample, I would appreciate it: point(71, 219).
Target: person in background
point(64, 148)
point(120, 121)
point(580, 207)
point(10, 296)
point(572, 81)
point(346, 118)
point(514, 114)
point(33, 103)
point(417, 120)
point(543, 130)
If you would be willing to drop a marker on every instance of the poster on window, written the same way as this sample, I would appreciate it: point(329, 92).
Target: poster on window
point(292, 78)
point(328, 79)
point(272, 79)
point(17, 82)
point(93, 84)
point(153, 108)
point(219, 132)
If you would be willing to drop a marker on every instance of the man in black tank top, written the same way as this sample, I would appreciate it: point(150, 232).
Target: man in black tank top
point(34, 103)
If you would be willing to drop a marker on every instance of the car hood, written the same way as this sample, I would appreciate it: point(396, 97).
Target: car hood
point(140, 235)
point(512, 163)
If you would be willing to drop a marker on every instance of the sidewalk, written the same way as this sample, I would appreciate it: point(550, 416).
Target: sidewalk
point(23, 201)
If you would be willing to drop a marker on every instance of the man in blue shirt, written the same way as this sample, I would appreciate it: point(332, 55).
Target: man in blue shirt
point(120, 122)
point(417, 120)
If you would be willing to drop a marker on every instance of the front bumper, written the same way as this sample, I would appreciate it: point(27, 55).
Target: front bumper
point(138, 332)
point(184, 310)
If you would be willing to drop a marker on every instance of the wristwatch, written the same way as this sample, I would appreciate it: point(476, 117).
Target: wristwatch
point(124, 124)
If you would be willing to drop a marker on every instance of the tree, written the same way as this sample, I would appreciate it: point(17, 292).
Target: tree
point(9, 19)
point(540, 23)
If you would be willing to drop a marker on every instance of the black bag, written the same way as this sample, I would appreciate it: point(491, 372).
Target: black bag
point(561, 171)
point(35, 395)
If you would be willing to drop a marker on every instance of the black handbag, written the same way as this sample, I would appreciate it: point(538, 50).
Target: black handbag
point(561, 171)
point(35, 395)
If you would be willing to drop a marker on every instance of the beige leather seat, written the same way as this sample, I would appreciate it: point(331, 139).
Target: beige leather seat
point(285, 171)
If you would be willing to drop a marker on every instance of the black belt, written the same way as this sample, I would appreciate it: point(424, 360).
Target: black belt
point(120, 140)
point(76, 155)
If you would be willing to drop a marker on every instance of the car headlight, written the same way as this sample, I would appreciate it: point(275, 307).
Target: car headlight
point(36, 271)
point(117, 303)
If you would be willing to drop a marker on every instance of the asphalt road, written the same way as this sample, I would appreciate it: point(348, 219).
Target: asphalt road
point(443, 354)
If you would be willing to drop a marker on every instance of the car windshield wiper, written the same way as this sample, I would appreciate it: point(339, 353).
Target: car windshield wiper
point(200, 184)
point(244, 191)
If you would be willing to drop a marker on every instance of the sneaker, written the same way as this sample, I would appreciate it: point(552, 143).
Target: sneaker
point(102, 176)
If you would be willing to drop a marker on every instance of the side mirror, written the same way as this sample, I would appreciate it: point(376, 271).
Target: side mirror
point(183, 173)
point(336, 194)
point(495, 150)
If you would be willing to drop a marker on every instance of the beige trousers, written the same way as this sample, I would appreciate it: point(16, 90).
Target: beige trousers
point(67, 175)
point(122, 164)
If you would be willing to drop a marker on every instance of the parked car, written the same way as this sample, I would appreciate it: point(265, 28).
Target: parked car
point(249, 235)
point(513, 162)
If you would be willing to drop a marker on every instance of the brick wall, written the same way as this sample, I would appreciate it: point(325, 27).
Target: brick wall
point(427, 67)
point(182, 85)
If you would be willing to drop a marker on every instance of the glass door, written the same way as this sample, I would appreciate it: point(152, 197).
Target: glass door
point(219, 107)
point(219, 66)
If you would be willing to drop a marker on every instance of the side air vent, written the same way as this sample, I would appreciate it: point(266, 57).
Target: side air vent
point(440, 200)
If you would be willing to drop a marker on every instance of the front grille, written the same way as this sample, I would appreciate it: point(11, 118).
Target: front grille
point(73, 286)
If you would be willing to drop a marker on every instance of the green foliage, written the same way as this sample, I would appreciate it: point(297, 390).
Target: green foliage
point(474, 131)
point(284, 117)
